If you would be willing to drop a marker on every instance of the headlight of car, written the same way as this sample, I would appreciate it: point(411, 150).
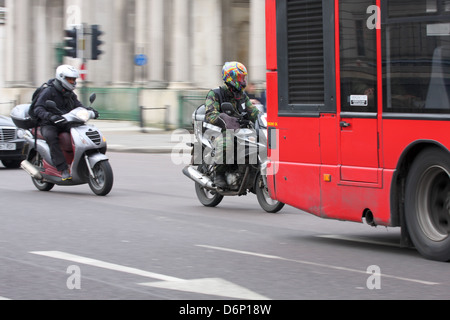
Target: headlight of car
point(20, 133)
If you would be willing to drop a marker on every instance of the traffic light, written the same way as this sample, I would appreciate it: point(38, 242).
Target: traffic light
point(96, 42)
point(70, 43)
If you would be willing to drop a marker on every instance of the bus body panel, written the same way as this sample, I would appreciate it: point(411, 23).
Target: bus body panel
point(298, 185)
point(410, 132)
point(340, 164)
point(348, 201)
point(271, 37)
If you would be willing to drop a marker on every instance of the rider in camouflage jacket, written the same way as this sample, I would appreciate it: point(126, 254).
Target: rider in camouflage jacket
point(235, 78)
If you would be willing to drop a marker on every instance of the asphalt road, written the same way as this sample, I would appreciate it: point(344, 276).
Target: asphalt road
point(150, 239)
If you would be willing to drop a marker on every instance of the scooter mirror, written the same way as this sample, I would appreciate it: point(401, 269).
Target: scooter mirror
point(92, 97)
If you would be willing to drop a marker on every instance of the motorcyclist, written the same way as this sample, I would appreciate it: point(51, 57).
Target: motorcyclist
point(234, 75)
point(61, 91)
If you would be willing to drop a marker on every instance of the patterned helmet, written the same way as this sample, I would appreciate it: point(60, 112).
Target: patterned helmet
point(235, 74)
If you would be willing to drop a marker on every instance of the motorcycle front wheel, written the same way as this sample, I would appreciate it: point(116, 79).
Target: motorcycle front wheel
point(102, 182)
point(206, 197)
point(264, 199)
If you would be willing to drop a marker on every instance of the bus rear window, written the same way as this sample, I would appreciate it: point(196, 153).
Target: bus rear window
point(416, 58)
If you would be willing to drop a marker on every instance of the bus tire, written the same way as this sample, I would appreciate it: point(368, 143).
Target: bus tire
point(427, 204)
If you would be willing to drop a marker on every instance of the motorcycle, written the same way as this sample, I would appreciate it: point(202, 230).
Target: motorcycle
point(248, 175)
point(84, 149)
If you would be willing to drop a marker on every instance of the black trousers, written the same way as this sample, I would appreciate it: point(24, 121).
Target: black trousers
point(51, 135)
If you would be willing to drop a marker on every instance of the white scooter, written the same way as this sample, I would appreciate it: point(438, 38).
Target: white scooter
point(84, 149)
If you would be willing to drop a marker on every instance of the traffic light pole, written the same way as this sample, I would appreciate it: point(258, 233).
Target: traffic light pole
point(83, 42)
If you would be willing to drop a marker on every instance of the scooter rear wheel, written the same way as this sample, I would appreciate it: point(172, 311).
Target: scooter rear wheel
point(40, 185)
point(102, 184)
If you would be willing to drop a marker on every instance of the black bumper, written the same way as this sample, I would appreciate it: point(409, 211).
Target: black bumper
point(21, 152)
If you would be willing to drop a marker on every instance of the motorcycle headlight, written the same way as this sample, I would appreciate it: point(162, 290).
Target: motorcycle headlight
point(264, 120)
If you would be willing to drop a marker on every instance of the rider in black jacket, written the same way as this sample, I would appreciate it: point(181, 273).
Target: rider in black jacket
point(60, 90)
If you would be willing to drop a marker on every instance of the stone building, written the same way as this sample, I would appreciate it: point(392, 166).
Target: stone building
point(186, 42)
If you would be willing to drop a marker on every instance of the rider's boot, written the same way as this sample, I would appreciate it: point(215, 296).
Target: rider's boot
point(219, 177)
point(65, 174)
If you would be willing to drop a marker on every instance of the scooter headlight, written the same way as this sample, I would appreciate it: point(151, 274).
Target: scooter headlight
point(83, 115)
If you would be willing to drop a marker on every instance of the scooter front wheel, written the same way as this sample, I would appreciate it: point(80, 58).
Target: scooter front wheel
point(40, 185)
point(102, 182)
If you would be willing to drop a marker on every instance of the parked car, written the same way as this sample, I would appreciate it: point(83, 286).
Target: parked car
point(13, 150)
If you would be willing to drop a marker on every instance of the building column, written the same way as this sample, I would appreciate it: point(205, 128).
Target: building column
point(181, 44)
point(41, 57)
point(150, 41)
point(99, 12)
point(157, 45)
point(2, 55)
point(257, 49)
point(123, 41)
point(18, 47)
point(141, 44)
point(207, 57)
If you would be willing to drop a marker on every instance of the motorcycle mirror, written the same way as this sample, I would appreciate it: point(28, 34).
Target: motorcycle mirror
point(92, 98)
point(227, 107)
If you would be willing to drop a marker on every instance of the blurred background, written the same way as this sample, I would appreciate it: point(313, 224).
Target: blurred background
point(185, 44)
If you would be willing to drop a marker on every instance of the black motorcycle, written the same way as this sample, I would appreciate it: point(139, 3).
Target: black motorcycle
point(247, 175)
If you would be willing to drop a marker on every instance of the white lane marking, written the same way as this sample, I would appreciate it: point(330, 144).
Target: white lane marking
point(104, 265)
point(212, 286)
point(429, 283)
point(4, 299)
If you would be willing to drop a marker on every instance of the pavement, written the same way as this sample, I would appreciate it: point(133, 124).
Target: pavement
point(126, 136)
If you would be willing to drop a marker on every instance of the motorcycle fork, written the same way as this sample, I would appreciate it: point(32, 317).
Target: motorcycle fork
point(88, 165)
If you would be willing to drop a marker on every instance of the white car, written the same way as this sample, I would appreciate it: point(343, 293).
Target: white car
point(13, 150)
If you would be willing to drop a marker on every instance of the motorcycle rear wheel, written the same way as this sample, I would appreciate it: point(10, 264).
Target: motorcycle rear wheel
point(102, 184)
point(206, 197)
point(264, 199)
point(40, 185)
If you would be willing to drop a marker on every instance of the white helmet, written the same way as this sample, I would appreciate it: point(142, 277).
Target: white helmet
point(67, 71)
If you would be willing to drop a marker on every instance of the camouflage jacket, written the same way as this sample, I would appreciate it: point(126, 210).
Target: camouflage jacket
point(213, 109)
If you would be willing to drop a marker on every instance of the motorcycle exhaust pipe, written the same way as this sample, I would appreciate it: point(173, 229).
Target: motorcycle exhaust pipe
point(198, 177)
point(31, 170)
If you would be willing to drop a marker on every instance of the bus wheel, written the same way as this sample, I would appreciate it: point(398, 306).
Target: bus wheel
point(427, 204)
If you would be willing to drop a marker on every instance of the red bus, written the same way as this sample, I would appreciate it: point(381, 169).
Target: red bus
point(358, 100)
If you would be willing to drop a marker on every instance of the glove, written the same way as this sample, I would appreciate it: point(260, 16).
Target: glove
point(96, 114)
point(57, 119)
point(229, 122)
